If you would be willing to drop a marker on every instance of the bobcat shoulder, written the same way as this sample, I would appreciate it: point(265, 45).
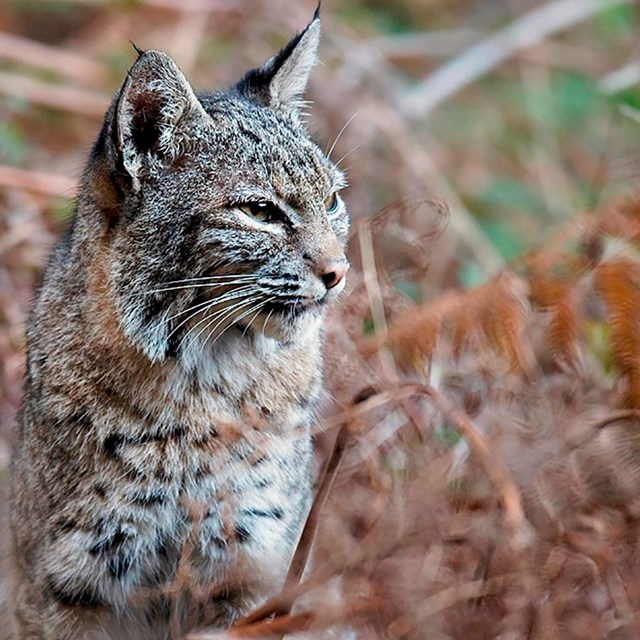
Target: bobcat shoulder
point(174, 360)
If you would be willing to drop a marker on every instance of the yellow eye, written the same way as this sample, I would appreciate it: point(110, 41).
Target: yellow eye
point(332, 203)
point(261, 211)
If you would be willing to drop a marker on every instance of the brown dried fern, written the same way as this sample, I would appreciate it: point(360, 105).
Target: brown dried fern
point(618, 283)
point(492, 316)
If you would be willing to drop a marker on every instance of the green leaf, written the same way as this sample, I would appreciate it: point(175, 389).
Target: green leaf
point(14, 147)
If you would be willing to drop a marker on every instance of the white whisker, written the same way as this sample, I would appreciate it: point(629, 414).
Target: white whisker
point(229, 295)
point(346, 155)
point(346, 124)
point(225, 312)
point(204, 284)
point(230, 311)
point(255, 315)
point(264, 324)
point(218, 277)
point(244, 313)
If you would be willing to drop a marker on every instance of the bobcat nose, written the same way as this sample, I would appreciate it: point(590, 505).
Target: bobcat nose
point(332, 272)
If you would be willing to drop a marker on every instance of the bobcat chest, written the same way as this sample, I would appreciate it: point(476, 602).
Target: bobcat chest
point(228, 487)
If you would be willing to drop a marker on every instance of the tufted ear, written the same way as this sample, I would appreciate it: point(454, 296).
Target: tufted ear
point(155, 110)
point(280, 82)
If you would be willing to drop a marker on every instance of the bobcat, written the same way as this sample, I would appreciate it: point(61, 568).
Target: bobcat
point(163, 466)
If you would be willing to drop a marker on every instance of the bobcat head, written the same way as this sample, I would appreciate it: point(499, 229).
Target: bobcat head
point(216, 211)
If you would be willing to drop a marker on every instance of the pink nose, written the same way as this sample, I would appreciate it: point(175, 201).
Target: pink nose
point(332, 272)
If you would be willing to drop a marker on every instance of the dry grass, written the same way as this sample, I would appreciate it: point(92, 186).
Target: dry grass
point(479, 438)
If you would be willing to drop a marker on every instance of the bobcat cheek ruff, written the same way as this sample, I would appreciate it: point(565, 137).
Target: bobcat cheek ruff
point(175, 358)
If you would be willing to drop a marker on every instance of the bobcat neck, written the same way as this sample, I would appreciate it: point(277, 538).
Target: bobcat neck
point(244, 374)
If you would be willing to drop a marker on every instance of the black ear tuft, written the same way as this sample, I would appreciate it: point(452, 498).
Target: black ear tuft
point(140, 51)
point(282, 80)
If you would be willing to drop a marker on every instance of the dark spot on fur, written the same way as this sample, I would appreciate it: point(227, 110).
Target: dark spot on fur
point(242, 533)
point(113, 550)
point(149, 498)
point(119, 565)
point(154, 307)
point(110, 544)
point(272, 514)
point(217, 388)
point(112, 444)
point(69, 597)
point(218, 542)
point(82, 419)
point(257, 459)
point(163, 475)
point(65, 525)
point(254, 137)
point(100, 490)
point(201, 472)
point(162, 547)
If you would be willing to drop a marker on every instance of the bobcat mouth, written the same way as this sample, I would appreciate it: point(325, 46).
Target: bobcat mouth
point(293, 306)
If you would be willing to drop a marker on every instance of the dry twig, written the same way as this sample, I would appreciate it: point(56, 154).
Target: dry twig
point(485, 56)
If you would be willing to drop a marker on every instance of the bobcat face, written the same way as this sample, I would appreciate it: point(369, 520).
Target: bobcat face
point(220, 213)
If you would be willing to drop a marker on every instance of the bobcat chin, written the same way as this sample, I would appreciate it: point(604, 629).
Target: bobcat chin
point(163, 464)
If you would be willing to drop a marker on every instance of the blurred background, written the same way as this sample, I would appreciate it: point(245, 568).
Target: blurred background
point(474, 133)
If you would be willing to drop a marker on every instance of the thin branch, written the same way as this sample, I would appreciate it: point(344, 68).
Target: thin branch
point(67, 63)
point(451, 596)
point(71, 99)
point(485, 56)
point(303, 550)
point(494, 466)
point(280, 605)
point(619, 416)
point(210, 6)
point(47, 184)
point(327, 478)
point(423, 166)
point(432, 43)
point(624, 78)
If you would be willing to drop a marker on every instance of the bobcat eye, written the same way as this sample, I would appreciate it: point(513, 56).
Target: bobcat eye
point(262, 211)
point(332, 203)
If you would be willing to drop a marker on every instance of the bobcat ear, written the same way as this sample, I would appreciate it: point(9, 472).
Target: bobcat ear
point(282, 80)
point(153, 112)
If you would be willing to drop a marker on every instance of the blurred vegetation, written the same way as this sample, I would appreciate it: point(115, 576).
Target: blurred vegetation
point(522, 154)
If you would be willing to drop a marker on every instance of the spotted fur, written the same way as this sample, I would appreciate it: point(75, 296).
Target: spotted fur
point(162, 469)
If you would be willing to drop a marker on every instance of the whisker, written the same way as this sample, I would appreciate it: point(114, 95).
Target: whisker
point(264, 324)
point(210, 319)
point(209, 305)
point(225, 296)
point(230, 310)
point(346, 155)
point(204, 284)
point(218, 277)
point(244, 314)
point(255, 315)
point(347, 123)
